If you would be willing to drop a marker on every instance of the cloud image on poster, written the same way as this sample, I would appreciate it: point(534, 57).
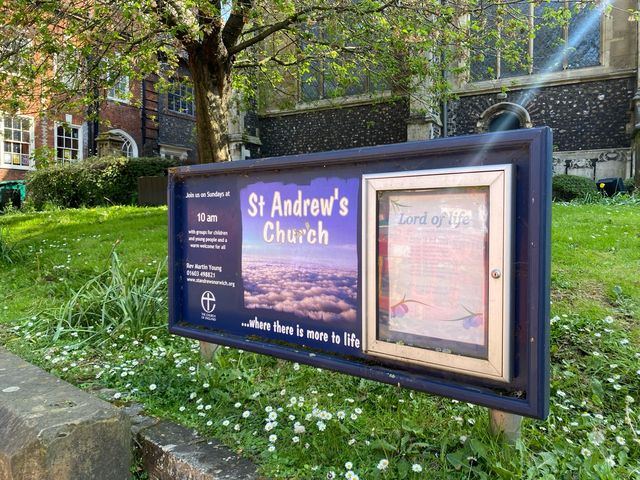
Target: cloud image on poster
point(299, 252)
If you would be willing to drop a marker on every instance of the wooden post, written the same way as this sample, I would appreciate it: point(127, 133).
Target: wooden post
point(505, 425)
point(207, 350)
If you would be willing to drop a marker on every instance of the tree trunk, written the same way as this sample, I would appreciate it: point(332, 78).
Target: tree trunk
point(211, 76)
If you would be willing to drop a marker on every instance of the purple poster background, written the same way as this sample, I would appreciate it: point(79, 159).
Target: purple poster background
point(299, 263)
point(299, 252)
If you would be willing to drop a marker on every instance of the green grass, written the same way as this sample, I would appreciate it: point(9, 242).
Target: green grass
point(48, 259)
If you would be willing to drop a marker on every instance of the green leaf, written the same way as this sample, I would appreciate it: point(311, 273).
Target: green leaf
point(403, 469)
point(381, 444)
point(478, 447)
point(500, 470)
point(597, 392)
point(412, 428)
point(458, 459)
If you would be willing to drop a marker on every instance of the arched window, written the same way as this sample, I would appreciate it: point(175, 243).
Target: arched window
point(129, 147)
point(504, 121)
point(503, 116)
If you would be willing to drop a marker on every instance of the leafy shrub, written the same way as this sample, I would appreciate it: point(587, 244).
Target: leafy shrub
point(569, 187)
point(68, 186)
point(96, 181)
point(630, 185)
point(113, 302)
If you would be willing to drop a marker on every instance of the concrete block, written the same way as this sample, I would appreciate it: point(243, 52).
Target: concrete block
point(51, 430)
point(170, 451)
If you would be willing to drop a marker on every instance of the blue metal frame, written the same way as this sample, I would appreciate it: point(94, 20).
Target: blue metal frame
point(529, 151)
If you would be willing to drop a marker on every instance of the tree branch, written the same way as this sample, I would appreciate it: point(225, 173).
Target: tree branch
point(236, 22)
point(297, 16)
point(176, 16)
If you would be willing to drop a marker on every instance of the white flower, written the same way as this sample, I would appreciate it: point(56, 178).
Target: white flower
point(585, 452)
point(205, 385)
point(273, 438)
point(352, 441)
point(246, 414)
point(321, 425)
point(331, 475)
point(296, 366)
point(268, 409)
point(609, 461)
point(561, 394)
point(299, 428)
point(225, 423)
point(295, 439)
point(272, 416)
point(209, 423)
point(192, 395)
point(236, 427)
point(272, 448)
point(340, 415)
point(117, 395)
point(383, 464)
point(596, 437)
point(416, 467)
point(621, 441)
point(348, 465)
point(629, 399)
point(237, 404)
point(463, 438)
point(182, 408)
point(357, 410)
point(152, 387)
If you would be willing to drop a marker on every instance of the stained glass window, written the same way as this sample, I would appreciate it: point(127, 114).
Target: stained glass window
point(584, 36)
point(555, 46)
point(484, 65)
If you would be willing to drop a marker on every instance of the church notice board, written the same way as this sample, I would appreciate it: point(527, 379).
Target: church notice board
point(423, 264)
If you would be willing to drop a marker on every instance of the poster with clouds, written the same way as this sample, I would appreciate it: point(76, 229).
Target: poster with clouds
point(300, 253)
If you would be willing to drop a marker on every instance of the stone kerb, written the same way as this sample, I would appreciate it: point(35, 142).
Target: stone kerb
point(50, 430)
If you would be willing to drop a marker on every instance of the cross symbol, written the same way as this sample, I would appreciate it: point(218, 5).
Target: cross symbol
point(208, 302)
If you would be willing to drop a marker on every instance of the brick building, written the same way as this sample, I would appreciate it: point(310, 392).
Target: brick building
point(135, 119)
